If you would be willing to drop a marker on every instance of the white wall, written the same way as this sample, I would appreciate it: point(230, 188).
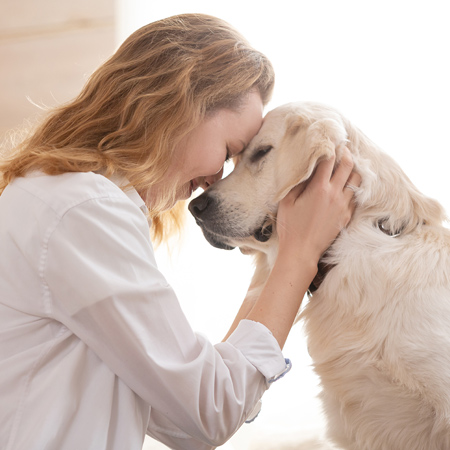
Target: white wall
point(385, 64)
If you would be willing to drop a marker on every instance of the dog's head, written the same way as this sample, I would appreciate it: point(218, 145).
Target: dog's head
point(240, 210)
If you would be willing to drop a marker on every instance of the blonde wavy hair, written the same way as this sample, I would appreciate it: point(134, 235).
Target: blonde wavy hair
point(134, 109)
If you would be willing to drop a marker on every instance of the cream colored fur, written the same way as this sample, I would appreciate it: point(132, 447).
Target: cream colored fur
point(378, 327)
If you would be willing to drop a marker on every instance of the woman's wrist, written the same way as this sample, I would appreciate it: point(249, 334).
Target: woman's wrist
point(302, 263)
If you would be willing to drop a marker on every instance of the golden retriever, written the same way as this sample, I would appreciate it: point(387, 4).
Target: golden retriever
point(378, 321)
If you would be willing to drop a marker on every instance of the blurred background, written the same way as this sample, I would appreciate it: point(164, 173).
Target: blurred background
point(384, 64)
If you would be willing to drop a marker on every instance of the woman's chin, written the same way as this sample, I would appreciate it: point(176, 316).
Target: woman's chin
point(185, 191)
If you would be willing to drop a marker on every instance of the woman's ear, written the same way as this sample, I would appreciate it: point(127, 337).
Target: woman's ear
point(303, 146)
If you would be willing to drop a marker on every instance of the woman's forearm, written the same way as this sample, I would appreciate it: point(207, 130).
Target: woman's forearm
point(245, 308)
point(281, 298)
point(276, 305)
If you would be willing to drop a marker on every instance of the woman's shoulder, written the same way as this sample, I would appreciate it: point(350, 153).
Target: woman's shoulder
point(60, 192)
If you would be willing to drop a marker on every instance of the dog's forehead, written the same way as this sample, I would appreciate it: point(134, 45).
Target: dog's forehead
point(274, 125)
point(276, 119)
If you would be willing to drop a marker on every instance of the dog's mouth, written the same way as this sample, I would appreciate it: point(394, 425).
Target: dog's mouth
point(228, 242)
point(216, 240)
point(264, 233)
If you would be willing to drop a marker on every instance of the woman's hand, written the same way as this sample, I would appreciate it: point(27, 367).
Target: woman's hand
point(311, 217)
point(308, 221)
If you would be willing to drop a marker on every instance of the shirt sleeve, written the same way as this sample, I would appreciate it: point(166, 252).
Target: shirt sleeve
point(101, 281)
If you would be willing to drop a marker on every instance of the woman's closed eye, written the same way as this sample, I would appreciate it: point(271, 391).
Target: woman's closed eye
point(228, 155)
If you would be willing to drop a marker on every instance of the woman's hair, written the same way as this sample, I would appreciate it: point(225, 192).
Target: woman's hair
point(159, 85)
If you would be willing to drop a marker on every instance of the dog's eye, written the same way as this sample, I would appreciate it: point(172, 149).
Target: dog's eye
point(260, 153)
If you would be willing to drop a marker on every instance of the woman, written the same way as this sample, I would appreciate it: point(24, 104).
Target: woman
point(95, 350)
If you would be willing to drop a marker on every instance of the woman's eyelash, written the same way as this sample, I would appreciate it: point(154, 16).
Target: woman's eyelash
point(228, 157)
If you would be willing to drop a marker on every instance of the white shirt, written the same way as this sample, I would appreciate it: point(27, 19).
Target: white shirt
point(95, 350)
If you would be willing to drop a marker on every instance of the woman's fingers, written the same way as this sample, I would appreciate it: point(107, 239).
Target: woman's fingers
point(323, 173)
point(342, 178)
point(295, 192)
point(344, 169)
point(353, 182)
point(314, 213)
point(325, 168)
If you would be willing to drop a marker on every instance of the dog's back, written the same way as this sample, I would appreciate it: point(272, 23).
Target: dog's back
point(378, 327)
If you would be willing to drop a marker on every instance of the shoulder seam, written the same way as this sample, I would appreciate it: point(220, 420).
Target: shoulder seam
point(46, 296)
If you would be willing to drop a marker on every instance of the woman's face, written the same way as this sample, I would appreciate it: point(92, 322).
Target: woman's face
point(200, 157)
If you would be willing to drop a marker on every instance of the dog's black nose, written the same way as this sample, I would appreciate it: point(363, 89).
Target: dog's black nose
point(199, 205)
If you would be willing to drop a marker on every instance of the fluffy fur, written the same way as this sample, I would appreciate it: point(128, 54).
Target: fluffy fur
point(378, 326)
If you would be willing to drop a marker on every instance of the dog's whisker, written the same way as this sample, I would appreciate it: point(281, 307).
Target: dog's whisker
point(279, 225)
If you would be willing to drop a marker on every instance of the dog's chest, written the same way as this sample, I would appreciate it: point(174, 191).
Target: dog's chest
point(349, 303)
point(376, 288)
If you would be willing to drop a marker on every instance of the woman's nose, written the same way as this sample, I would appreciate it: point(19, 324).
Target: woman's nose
point(211, 179)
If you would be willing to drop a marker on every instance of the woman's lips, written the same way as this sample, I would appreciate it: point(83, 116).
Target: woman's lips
point(188, 189)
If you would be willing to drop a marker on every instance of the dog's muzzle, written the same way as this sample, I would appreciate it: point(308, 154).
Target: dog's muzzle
point(206, 212)
point(218, 228)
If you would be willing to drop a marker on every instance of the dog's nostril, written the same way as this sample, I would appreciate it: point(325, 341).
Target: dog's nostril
point(199, 205)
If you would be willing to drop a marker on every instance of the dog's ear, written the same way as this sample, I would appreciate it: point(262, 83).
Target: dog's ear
point(403, 212)
point(304, 145)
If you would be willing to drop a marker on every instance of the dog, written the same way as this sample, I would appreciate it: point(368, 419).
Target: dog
point(378, 318)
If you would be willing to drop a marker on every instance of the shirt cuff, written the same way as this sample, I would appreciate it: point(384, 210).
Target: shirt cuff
point(255, 412)
point(257, 409)
point(261, 349)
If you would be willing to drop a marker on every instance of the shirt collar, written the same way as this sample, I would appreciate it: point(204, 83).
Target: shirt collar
point(130, 191)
